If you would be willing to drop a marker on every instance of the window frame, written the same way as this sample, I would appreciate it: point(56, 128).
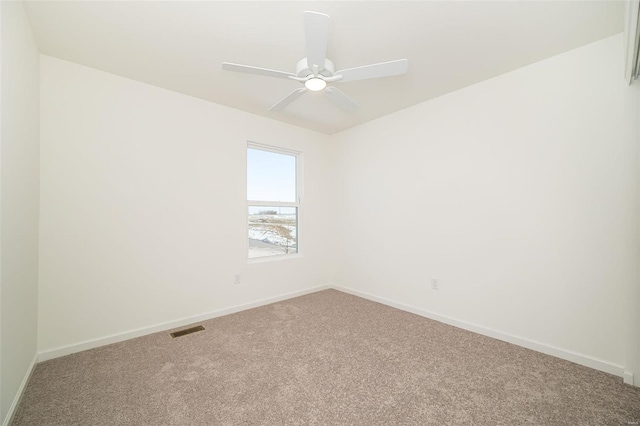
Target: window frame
point(297, 204)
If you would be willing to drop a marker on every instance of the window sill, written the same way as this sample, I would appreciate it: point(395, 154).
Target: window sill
point(275, 258)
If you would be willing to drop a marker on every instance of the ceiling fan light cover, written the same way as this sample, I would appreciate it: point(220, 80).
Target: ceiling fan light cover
point(315, 84)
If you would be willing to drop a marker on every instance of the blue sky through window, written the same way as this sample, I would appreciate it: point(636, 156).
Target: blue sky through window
point(270, 176)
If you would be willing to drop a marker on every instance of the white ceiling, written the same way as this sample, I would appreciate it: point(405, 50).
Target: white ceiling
point(179, 45)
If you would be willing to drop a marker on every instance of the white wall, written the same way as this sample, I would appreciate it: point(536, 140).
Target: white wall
point(19, 200)
point(143, 206)
point(520, 194)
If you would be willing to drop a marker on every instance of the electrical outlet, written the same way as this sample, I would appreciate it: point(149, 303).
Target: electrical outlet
point(435, 284)
point(237, 279)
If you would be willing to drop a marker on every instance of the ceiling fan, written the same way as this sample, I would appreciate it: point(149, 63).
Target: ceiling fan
point(316, 71)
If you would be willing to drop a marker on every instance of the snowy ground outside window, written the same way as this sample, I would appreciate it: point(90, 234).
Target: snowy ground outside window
point(272, 231)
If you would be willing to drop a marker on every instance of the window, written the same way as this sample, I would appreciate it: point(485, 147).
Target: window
point(273, 201)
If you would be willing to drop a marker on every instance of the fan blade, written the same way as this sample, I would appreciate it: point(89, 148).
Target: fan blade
point(383, 69)
point(316, 27)
point(255, 70)
point(340, 99)
point(284, 102)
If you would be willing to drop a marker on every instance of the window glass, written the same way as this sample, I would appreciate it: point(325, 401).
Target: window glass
point(272, 230)
point(271, 176)
point(273, 204)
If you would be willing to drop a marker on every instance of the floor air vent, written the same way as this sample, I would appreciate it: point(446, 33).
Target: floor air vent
point(186, 331)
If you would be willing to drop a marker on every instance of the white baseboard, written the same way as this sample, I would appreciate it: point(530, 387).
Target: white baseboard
point(568, 355)
point(114, 338)
point(628, 378)
point(20, 393)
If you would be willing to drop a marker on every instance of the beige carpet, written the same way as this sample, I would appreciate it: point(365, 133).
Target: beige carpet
point(325, 358)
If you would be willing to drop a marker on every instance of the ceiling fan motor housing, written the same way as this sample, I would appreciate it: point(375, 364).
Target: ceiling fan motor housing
point(303, 70)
